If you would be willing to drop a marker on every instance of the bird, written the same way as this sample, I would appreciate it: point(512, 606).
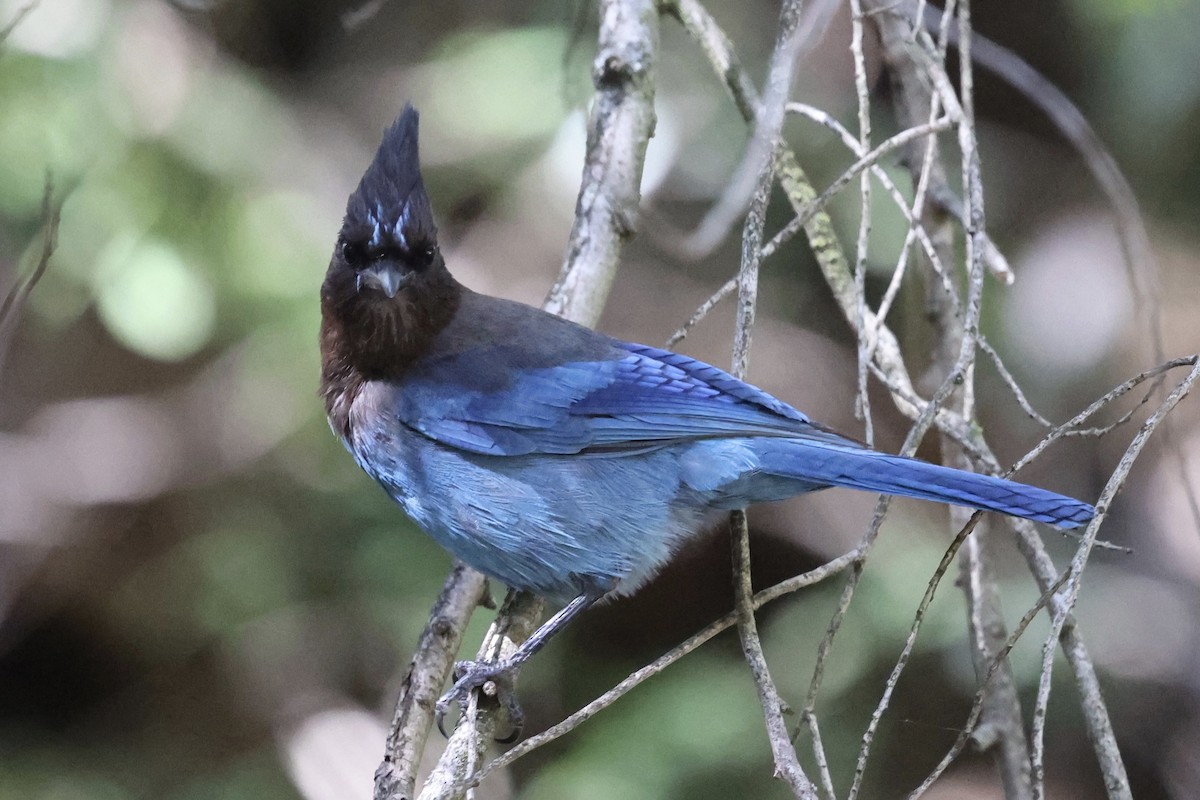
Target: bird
point(549, 456)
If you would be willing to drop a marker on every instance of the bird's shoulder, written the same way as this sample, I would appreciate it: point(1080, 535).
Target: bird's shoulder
point(500, 353)
point(490, 341)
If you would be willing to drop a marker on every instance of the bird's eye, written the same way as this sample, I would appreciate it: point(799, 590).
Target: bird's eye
point(353, 253)
point(427, 256)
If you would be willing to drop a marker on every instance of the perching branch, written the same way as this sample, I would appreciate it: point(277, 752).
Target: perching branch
point(621, 123)
point(396, 777)
point(635, 679)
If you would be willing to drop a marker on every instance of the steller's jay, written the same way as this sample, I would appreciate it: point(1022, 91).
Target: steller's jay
point(548, 456)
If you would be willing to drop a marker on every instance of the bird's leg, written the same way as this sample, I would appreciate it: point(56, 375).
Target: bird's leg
point(472, 675)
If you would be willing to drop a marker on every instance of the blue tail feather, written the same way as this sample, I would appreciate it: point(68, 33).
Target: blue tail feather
point(857, 468)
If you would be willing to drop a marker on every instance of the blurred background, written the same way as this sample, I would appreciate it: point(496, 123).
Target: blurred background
point(202, 597)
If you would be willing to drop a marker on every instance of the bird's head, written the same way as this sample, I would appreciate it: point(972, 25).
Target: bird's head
point(387, 288)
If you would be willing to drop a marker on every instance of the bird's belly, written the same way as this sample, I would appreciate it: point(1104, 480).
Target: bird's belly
point(555, 525)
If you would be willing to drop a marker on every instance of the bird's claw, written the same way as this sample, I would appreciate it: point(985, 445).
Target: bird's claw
point(494, 679)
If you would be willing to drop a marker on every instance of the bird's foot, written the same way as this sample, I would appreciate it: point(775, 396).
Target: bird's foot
point(494, 679)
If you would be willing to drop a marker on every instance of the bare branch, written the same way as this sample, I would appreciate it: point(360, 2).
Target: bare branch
point(396, 777)
point(735, 199)
point(1115, 781)
point(24, 11)
point(781, 589)
point(862, 402)
point(836, 270)
point(1000, 658)
point(787, 765)
point(909, 642)
point(15, 299)
point(866, 160)
point(621, 123)
point(620, 127)
point(1072, 426)
point(1070, 121)
point(770, 121)
point(516, 622)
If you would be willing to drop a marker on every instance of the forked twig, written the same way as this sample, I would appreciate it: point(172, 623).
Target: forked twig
point(1116, 782)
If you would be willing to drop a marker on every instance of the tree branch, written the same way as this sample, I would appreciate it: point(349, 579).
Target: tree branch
point(619, 128)
point(18, 294)
point(765, 144)
point(440, 641)
point(1001, 729)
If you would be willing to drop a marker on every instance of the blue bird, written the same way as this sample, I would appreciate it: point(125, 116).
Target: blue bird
point(549, 456)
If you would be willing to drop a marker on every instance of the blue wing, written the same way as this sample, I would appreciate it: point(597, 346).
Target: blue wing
point(641, 397)
point(505, 401)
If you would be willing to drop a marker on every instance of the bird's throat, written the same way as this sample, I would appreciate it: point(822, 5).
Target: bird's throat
point(366, 336)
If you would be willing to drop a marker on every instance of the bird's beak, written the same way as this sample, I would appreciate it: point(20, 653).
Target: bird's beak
point(384, 277)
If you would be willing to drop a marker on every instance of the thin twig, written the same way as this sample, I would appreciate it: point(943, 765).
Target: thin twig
point(735, 198)
point(23, 12)
point(865, 161)
point(1116, 783)
point(915, 434)
point(862, 403)
point(906, 651)
point(916, 228)
point(635, 679)
point(1001, 709)
point(956, 330)
point(1072, 124)
point(787, 765)
point(1012, 384)
point(916, 231)
point(1141, 264)
point(18, 294)
point(1001, 656)
point(770, 121)
point(1071, 426)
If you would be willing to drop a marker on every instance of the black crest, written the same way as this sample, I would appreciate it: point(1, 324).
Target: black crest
point(390, 209)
